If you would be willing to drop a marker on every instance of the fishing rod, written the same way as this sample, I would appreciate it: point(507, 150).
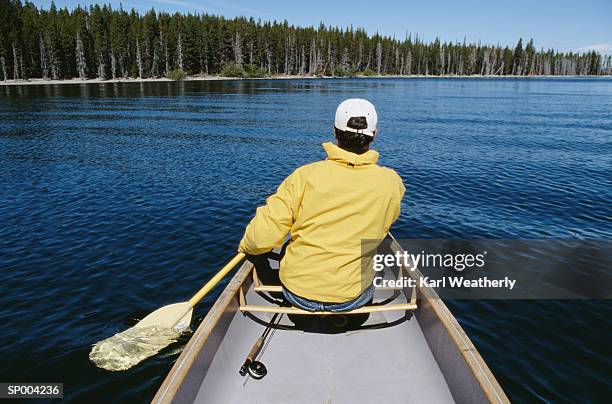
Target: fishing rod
point(256, 369)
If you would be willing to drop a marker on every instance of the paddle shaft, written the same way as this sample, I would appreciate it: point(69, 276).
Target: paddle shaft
point(210, 284)
point(215, 279)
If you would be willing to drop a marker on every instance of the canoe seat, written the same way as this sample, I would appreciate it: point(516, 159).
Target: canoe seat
point(374, 308)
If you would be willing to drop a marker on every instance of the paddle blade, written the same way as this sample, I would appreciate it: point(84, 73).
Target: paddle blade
point(130, 347)
point(177, 316)
point(152, 334)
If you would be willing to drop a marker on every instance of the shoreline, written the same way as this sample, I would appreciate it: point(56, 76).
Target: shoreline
point(39, 81)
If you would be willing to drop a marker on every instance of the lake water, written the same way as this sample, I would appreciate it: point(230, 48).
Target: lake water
point(117, 199)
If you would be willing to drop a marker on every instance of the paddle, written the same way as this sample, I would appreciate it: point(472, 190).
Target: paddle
point(178, 315)
point(154, 332)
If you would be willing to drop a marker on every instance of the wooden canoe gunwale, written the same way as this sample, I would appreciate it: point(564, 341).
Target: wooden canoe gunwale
point(432, 306)
point(221, 313)
point(473, 381)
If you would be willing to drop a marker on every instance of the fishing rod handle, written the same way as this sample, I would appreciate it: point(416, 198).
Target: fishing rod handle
point(255, 349)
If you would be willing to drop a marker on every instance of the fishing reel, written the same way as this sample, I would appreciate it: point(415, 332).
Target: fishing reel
point(255, 369)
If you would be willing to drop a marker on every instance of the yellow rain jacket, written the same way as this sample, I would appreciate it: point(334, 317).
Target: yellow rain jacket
point(328, 207)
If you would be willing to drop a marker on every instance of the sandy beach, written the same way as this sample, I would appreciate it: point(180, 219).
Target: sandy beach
point(38, 81)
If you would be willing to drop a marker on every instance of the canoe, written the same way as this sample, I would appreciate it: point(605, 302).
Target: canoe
point(410, 349)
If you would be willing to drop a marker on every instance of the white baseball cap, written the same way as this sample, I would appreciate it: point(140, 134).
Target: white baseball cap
point(356, 115)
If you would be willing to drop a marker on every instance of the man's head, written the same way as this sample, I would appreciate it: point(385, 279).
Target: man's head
point(355, 125)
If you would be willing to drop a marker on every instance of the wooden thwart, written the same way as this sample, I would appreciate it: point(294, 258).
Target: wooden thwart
point(295, 310)
point(279, 288)
point(268, 288)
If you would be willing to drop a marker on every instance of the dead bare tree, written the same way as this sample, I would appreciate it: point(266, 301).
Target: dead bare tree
point(113, 64)
point(80, 58)
point(238, 49)
point(312, 64)
point(3, 63)
point(471, 60)
point(359, 56)
point(44, 66)
point(179, 52)
point(302, 62)
point(268, 54)
point(101, 67)
point(138, 59)
point(397, 58)
point(15, 64)
point(331, 57)
point(484, 70)
point(54, 62)
point(154, 66)
point(378, 57)
point(345, 60)
point(22, 67)
point(408, 65)
point(288, 59)
point(163, 41)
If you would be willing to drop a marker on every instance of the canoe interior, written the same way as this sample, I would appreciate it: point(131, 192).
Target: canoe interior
point(393, 356)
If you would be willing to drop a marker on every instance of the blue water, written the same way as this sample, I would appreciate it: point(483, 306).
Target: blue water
point(116, 199)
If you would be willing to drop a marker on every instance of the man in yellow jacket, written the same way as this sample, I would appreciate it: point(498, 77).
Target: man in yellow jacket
point(328, 208)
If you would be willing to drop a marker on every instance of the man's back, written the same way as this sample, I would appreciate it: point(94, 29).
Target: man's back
point(328, 207)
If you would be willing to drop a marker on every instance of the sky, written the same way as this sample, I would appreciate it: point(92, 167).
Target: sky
point(576, 25)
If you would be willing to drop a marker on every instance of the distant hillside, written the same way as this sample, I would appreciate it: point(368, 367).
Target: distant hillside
point(104, 43)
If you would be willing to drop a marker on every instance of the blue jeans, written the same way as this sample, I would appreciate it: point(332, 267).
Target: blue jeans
point(313, 305)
